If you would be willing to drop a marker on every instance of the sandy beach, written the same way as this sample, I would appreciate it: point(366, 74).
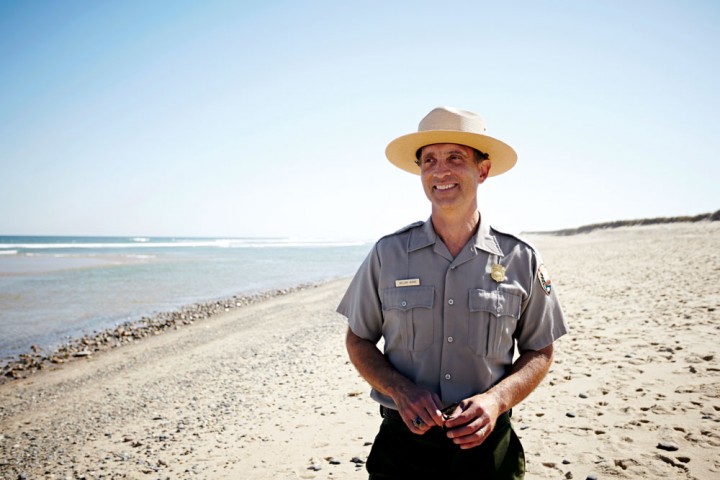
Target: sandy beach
point(266, 391)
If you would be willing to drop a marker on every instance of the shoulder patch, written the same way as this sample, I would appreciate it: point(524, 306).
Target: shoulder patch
point(544, 279)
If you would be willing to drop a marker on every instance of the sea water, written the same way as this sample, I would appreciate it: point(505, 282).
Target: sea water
point(57, 288)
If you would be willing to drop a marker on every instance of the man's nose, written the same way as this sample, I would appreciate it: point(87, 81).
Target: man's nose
point(443, 168)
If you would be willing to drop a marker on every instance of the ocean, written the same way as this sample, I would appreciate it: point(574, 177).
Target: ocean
point(54, 289)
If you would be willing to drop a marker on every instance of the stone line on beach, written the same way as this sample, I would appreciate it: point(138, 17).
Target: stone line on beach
point(128, 332)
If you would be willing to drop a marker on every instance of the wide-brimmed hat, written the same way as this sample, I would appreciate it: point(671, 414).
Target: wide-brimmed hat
point(450, 125)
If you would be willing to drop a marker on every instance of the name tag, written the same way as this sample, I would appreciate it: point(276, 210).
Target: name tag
point(408, 282)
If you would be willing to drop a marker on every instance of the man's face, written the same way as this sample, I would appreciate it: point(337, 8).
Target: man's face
point(450, 175)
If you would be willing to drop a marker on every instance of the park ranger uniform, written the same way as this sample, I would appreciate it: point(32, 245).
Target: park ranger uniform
point(451, 324)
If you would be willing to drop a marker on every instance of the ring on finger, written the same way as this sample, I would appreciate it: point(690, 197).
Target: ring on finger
point(418, 422)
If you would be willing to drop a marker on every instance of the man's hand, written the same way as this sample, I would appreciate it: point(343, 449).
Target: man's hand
point(419, 408)
point(475, 418)
point(472, 421)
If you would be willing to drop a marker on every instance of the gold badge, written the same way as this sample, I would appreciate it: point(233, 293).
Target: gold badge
point(497, 272)
point(544, 278)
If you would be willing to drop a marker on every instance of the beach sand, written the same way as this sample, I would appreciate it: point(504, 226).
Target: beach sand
point(267, 392)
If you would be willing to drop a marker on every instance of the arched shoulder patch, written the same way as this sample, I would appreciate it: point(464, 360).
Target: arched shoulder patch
point(544, 279)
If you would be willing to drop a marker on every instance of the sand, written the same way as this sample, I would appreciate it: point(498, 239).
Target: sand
point(266, 391)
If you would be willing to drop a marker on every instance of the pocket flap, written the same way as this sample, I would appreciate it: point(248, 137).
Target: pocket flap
point(406, 298)
point(496, 302)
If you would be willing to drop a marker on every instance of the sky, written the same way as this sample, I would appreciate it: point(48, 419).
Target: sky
point(271, 118)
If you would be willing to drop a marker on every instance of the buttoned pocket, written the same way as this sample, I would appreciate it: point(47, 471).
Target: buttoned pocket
point(408, 312)
point(492, 321)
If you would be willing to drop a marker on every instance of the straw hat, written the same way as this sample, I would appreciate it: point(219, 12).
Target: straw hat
point(450, 125)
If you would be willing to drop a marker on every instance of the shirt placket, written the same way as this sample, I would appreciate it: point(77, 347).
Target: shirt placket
point(453, 315)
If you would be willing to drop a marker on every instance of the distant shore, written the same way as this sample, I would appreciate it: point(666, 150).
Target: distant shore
point(703, 217)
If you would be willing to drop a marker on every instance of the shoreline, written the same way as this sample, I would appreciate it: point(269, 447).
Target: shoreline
point(47, 308)
point(85, 346)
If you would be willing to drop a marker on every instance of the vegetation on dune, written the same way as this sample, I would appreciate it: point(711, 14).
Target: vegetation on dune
point(709, 217)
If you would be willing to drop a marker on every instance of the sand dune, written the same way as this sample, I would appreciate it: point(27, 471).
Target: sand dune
point(267, 392)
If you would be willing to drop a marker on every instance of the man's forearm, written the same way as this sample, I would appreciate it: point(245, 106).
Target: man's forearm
point(525, 375)
point(373, 366)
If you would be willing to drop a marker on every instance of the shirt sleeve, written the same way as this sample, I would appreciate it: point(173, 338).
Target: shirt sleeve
point(361, 302)
point(542, 320)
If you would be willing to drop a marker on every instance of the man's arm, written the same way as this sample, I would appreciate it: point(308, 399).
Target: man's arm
point(475, 417)
point(411, 400)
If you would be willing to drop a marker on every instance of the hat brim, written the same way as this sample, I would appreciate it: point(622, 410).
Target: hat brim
point(401, 151)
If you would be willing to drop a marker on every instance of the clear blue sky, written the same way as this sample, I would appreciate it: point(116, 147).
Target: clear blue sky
point(269, 118)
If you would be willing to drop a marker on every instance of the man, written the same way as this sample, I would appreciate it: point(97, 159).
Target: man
point(451, 297)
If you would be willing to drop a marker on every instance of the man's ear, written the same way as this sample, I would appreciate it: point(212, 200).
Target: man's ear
point(484, 169)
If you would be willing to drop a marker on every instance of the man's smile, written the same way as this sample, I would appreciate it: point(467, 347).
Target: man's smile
point(445, 186)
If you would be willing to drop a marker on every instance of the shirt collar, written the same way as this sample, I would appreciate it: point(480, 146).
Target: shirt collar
point(485, 240)
point(422, 237)
point(425, 236)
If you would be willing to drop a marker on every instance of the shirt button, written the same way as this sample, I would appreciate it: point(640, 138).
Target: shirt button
point(500, 310)
point(448, 376)
point(451, 301)
point(450, 339)
point(404, 303)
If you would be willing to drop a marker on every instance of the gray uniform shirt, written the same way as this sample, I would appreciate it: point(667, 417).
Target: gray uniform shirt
point(447, 324)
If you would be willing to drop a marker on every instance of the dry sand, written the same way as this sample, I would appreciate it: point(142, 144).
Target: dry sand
point(267, 392)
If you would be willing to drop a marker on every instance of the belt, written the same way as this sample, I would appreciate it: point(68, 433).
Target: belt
point(392, 414)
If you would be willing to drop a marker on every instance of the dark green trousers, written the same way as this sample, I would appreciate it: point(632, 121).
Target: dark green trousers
point(397, 453)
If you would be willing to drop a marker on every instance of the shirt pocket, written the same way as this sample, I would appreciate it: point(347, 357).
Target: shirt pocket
point(492, 321)
point(408, 313)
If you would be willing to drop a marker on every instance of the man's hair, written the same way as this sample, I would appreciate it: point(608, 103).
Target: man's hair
point(480, 155)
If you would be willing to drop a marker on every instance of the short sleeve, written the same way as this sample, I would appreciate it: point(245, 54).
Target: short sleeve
point(361, 303)
point(542, 320)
